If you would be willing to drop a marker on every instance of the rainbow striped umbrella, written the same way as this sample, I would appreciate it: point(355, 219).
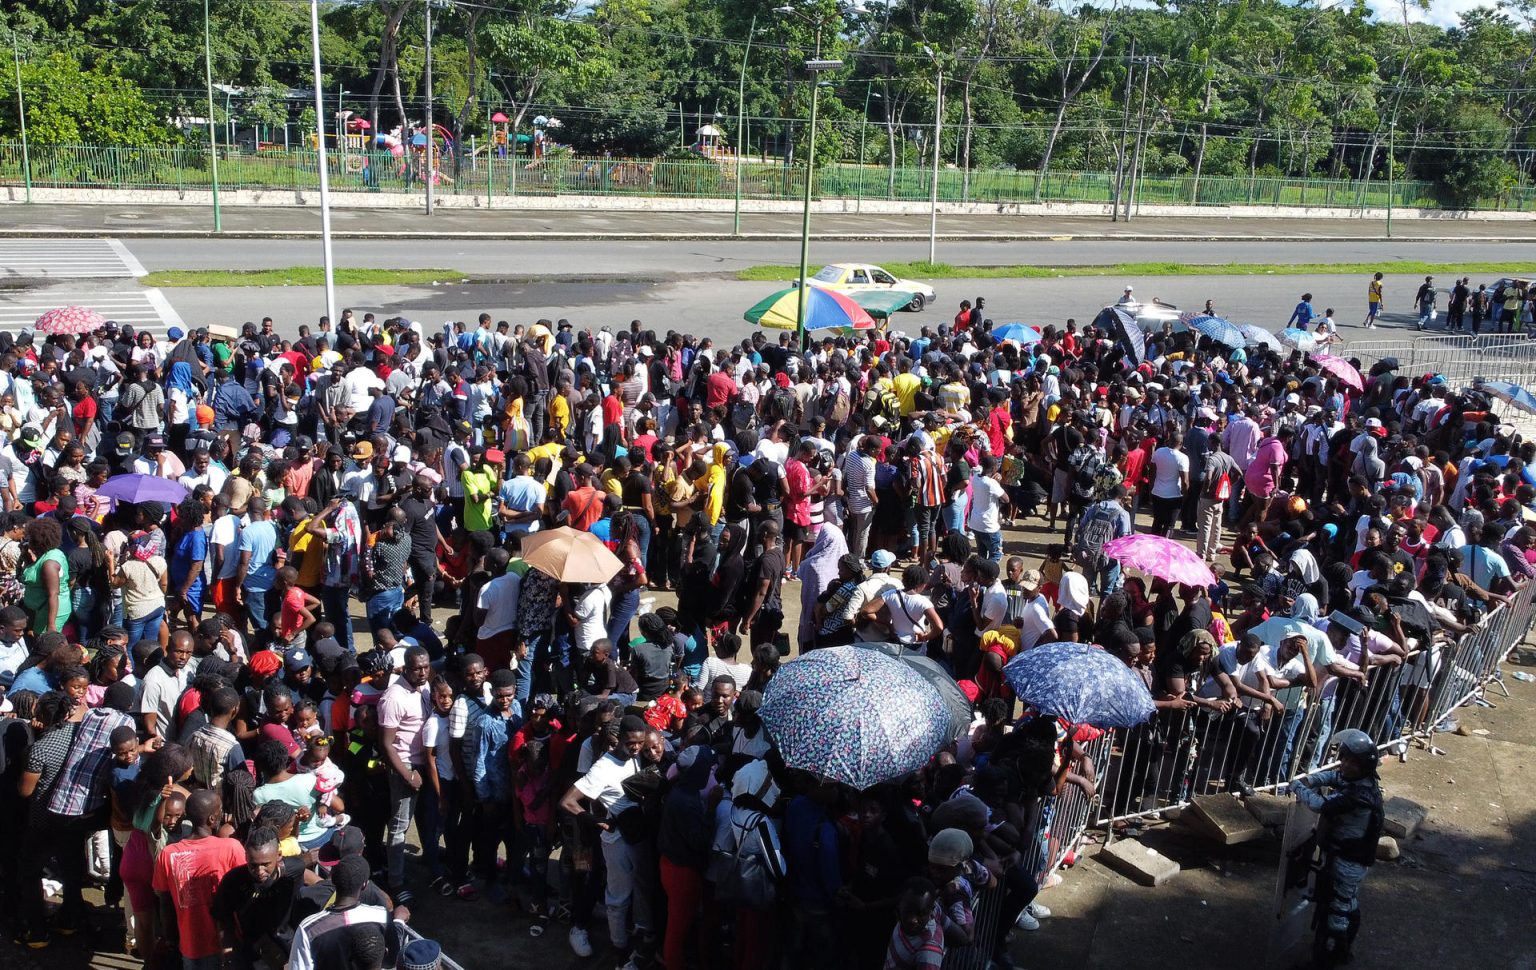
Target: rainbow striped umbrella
point(824, 310)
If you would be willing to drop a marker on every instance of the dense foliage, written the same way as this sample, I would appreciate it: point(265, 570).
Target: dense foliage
point(1229, 87)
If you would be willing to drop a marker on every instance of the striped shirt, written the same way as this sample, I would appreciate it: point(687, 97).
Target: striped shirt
point(859, 479)
point(928, 479)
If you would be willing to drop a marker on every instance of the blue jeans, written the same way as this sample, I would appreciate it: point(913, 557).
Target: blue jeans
point(382, 607)
point(624, 609)
point(145, 628)
point(954, 514)
point(643, 528)
point(989, 545)
point(256, 607)
point(333, 605)
point(1106, 577)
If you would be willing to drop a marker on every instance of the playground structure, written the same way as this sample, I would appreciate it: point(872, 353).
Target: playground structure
point(426, 153)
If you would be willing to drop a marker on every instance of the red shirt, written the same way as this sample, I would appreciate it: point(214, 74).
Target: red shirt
point(585, 506)
point(613, 409)
point(84, 413)
point(642, 444)
point(719, 388)
point(797, 483)
point(189, 871)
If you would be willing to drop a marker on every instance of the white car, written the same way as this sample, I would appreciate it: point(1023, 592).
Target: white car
point(865, 278)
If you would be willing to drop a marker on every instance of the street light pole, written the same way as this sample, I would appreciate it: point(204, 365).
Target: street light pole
point(869, 92)
point(1391, 153)
point(741, 124)
point(213, 142)
point(325, 178)
point(431, 173)
point(933, 190)
point(805, 216)
point(21, 113)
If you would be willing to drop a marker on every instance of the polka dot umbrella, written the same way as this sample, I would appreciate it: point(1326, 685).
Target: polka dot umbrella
point(854, 716)
point(69, 319)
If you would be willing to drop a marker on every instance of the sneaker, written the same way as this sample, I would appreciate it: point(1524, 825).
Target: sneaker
point(1038, 911)
point(580, 944)
point(1027, 921)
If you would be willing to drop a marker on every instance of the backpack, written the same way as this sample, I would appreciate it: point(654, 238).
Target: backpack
point(1085, 463)
point(743, 875)
point(835, 407)
point(1098, 528)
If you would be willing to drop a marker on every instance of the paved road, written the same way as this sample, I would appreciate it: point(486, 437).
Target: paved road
point(657, 259)
point(117, 220)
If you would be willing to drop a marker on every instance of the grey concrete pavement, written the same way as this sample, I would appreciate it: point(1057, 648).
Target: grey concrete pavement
point(118, 220)
point(660, 260)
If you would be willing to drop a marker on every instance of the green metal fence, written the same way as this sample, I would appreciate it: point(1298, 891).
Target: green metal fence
point(187, 167)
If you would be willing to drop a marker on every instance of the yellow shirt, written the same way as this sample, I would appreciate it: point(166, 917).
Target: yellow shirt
point(311, 556)
point(906, 387)
point(560, 413)
point(713, 481)
point(611, 484)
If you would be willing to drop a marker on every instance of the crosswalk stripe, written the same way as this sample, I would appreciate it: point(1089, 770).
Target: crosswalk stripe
point(74, 258)
point(143, 309)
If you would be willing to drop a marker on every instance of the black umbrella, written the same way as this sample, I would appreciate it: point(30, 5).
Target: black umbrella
point(1383, 365)
point(1121, 325)
point(954, 699)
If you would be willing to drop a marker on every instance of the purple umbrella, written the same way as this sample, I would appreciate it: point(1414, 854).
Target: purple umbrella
point(1160, 557)
point(142, 488)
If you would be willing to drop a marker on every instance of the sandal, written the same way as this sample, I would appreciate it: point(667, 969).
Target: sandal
point(468, 892)
point(443, 886)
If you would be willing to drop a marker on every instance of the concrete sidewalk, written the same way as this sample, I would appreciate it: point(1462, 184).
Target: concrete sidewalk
point(661, 223)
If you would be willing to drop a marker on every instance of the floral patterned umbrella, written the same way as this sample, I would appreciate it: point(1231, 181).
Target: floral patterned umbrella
point(855, 716)
point(70, 319)
point(1080, 684)
point(1297, 339)
point(1160, 557)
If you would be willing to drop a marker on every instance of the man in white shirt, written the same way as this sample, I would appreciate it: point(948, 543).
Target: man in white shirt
point(1243, 674)
point(163, 686)
point(590, 612)
point(358, 382)
point(1036, 624)
point(602, 787)
point(204, 472)
point(224, 550)
point(985, 519)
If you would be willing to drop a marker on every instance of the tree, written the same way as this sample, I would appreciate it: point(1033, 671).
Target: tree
point(70, 105)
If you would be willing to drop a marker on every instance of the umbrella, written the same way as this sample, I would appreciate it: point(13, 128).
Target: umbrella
point(1080, 684)
point(824, 309)
point(1121, 326)
point(855, 716)
point(954, 698)
point(1297, 339)
point(1161, 557)
point(1220, 330)
point(69, 319)
point(880, 304)
point(1017, 332)
point(570, 556)
point(1512, 394)
point(361, 124)
point(419, 139)
point(1340, 368)
point(499, 118)
point(142, 488)
point(1259, 337)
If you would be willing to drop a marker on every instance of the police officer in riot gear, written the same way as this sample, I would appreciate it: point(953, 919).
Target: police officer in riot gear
point(1348, 799)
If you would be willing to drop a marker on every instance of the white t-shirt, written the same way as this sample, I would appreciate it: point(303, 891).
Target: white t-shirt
point(499, 599)
point(604, 783)
point(1252, 674)
point(162, 689)
point(226, 533)
point(434, 735)
point(1169, 467)
point(1035, 623)
point(994, 606)
point(986, 500)
point(357, 383)
point(909, 613)
point(592, 617)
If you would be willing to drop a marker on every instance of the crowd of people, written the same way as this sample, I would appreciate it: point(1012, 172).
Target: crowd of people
point(195, 718)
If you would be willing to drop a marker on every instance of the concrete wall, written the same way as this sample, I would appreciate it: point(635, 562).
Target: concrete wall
point(628, 203)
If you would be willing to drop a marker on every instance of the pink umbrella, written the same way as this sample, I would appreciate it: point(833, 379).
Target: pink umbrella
point(361, 124)
point(1160, 557)
point(499, 118)
point(1340, 368)
point(70, 319)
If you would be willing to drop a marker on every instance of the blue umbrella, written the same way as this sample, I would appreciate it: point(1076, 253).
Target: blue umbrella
point(1297, 339)
point(1016, 331)
point(1079, 684)
point(954, 698)
point(1219, 330)
point(1259, 337)
point(855, 716)
point(142, 488)
point(1512, 394)
point(1121, 326)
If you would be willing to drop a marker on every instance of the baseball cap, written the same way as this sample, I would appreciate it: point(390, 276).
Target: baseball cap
point(347, 842)
point(156, 440)
point(295, 659)
point(1030, 580)
point(31, 437)
point(175, 333)
point(882, 559)
point(363, 451)
point(1371, 424)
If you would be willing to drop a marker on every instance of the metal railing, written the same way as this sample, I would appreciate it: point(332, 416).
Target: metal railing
point(1182, 755)
point(186, 167)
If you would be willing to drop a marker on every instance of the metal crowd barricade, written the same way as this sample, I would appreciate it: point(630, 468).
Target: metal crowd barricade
point(1182, 755)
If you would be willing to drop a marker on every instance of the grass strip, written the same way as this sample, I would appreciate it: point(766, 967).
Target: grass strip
point(300, 276)
point(926, 270)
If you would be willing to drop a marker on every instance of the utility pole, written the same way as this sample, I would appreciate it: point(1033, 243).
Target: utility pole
point(21, 113)
point(213, 142)
point(431, 173)
point(933, 189)
point(1391, 154)
point(1125, 124)
point(325, 178)
point(741, 124)
point(1141, 138)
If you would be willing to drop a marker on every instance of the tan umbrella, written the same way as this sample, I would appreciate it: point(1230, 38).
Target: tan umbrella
point(570, 556)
